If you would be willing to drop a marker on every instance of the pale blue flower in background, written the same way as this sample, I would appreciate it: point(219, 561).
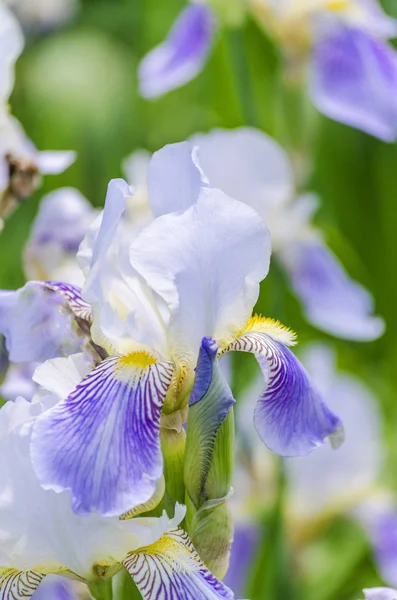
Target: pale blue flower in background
point(352, 70)
point(250, 166)
point(182, 55)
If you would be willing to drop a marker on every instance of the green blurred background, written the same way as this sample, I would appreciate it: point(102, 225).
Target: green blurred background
point(76, 88)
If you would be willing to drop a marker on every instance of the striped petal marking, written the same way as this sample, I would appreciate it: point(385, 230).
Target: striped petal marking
point(102, 442)
point(290, 416)
point(171, 569)
point(18, 585)
point(72, 295)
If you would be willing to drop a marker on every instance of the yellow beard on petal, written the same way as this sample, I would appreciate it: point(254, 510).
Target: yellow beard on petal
point(271, 327)
point(139, 359)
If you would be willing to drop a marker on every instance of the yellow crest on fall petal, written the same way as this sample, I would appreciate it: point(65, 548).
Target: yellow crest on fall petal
point(337, 5)
point(140, 360)
point(275, 329)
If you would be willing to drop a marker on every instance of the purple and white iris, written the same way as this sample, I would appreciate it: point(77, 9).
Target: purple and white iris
point(192, 273)
point(42, 536)
point(352, 70)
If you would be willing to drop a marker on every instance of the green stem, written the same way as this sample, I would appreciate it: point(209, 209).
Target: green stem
point(102, 590)
point(271, 575)
point(241, 65)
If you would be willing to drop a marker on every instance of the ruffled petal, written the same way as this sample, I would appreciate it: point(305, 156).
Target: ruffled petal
point(171, 569)
point(174, 179)
point(126, 316)
point(333, 302)
point(19, 585)
point(206, 263)
point(247, 165)
point(181, 56)
point(35, 323)
point(290, 416)
point(354, 81)
point(111, 418)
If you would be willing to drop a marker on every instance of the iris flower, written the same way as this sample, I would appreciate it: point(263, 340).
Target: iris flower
point(41, 535)
point(341, 44)
point(153, 302)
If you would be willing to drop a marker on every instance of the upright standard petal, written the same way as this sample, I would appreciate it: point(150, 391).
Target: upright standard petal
point(290, 416)
point(181, 56)
point(35, 324)
point(333, 302)
point(111, 418)
point(206, 263)
point(174, 179)
point(171, 569)
point(126, 316)
point(354, 81)
point(247, 165)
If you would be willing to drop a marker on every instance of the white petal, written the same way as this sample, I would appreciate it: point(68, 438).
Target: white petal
point(39, 529)
point(125, 313)
point(52, 162)
point(174, 180)
point(248, 165)
point(206, 263)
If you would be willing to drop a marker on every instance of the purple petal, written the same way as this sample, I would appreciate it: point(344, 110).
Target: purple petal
point(171, 569)
point(35, 323)
point(55, 587)
point(333, 302)
point(290, 416)
point(111, 418)
point(243, 550)
point(210, 401)
point(354, 81)
point(181, 56)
